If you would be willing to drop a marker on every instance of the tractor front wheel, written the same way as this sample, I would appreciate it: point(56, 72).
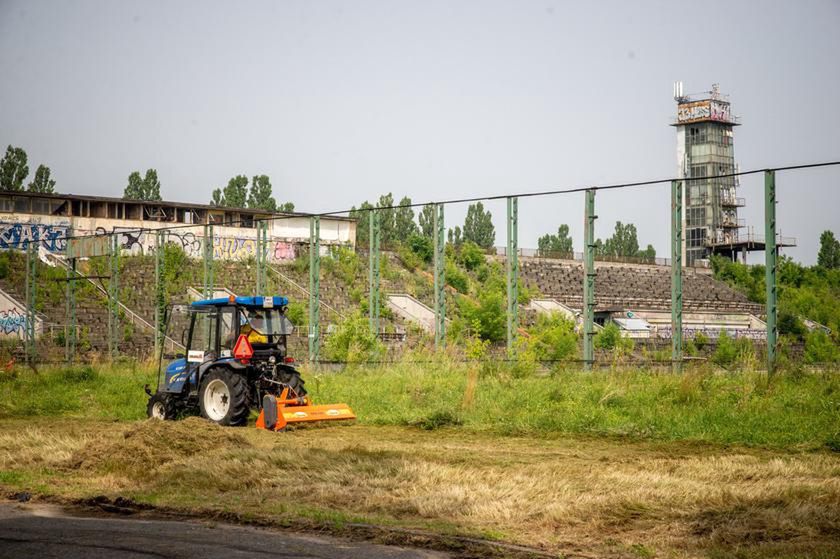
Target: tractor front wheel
point(161, 407)
point(223, 397)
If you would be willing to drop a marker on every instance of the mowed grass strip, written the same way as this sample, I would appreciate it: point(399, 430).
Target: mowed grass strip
point(787, 411)
point(591, 496)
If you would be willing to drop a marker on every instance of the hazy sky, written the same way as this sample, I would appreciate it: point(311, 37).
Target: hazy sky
point(339, 102)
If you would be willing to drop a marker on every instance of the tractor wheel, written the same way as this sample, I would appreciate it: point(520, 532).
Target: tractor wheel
point(161, 406)
point(223, 397)
point(291, 378)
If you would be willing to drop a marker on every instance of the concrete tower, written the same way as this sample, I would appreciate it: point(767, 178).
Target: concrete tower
point(705, 149)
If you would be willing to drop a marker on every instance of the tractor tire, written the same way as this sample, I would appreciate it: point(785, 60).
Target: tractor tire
point(161, 406)
point(223, 397)
point(291, 378)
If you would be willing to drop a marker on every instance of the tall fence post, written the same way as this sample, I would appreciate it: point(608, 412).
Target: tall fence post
point(31, 299)
point(770, 256)
point(512, 264)
point(70, 300)
point(589, 280)
point(114, 297)
point(208, 287)
point(160, 296)
point(440, 279)
point(262, 253)
point(373, 258)
point(314, 287)
point(676, 275)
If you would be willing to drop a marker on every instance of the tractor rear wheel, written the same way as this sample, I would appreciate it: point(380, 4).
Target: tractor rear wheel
point(291, 378)
point(223, 397)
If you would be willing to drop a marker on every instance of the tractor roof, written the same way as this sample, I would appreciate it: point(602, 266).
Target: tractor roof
point(255, 302)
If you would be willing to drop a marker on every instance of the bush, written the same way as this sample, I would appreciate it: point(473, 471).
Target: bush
point(552, 338)
point(700, 341)
point(610, 338)
point(4, 265)
point(726, 351)
point(422, 246)
point(352, 342)
point(820, 349)
point(471, 256)
point(487, 317)
point(456, 278)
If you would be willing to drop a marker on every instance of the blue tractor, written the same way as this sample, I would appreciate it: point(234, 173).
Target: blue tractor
point(235, 359)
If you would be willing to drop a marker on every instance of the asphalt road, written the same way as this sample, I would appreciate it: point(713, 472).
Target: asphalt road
point(46, 531)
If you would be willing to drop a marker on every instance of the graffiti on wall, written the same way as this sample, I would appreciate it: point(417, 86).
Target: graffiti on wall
point(53, 237)
point(131, 239)
point(12, 322)
point(664, 332)
point(283, 251)
point(17, 235)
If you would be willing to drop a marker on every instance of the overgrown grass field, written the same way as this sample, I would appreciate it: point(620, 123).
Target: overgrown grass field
point(744, 408)
point(621, 463)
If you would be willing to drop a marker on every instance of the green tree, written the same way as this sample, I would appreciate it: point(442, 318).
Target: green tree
point(287, 207)
point(624, 241)
point(478, 226)
point(561, 243)
point(234, 195)
point(143, 188)
point(829, 255)
point(649, 254)
point(404, 225)
point(427, 221)
point(362, 217)
point(13, 169)
point(386, 218)
point(42, 182)
point(455, 237)
point(260, 196)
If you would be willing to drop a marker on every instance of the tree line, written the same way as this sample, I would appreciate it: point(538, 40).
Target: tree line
point(14, 169)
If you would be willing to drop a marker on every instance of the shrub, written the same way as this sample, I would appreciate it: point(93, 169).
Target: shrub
point(471, 256)
point(552, 338)
point(456, 278)
point(352, 342)
point(4, 265)
point(726, 351)
point(700, 341)
point(820, 349)
point(610, 338)
point(409, 260)
point(422, 246)
point(487, 317)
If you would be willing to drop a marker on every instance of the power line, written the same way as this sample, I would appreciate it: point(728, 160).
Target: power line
point(552, 192)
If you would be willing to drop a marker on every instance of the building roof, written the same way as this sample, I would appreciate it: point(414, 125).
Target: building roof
point(160, 203)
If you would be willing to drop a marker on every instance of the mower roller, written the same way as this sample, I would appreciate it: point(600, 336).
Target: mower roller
point(235, 360)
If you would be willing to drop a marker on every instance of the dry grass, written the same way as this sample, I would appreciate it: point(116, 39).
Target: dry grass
point(591, 496)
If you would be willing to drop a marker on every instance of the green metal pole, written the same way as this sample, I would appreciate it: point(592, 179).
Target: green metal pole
point(512, 264)
point(208, 288)
point(770, 255)
point(589, 281)
point(31, 297)
point(440, 279)
point(262, 252)
point(374, 275)
point(114, 297)
point(70, 300)
point(676, 275)
point(160, 296)
point(314, 287)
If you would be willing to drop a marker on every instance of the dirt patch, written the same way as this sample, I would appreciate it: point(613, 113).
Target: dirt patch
point(148, 445)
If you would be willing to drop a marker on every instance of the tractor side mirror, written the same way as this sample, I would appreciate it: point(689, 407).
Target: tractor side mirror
point(179, 356)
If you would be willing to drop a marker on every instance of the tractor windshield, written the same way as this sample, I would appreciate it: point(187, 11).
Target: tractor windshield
point(267, 322)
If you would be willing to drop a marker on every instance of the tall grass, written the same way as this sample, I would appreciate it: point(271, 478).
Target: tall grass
point(745, 408)
point(727, 408)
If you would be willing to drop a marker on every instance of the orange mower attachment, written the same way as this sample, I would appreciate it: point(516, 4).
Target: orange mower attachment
point(279, 411)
